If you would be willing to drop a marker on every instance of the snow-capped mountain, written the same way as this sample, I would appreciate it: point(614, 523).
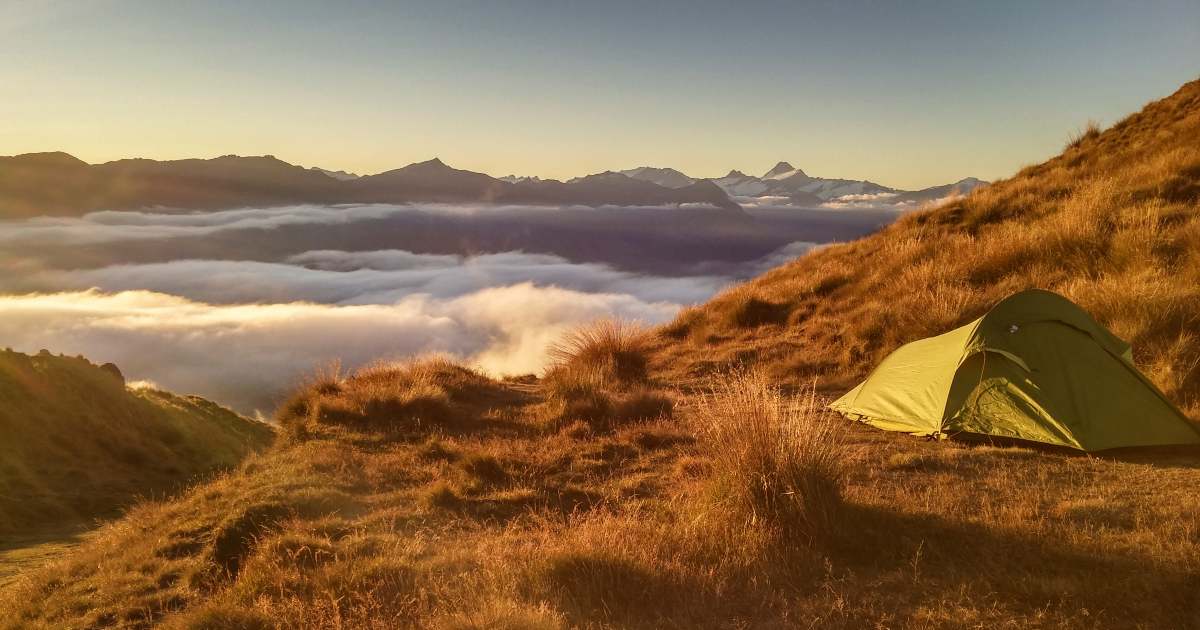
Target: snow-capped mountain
point(782, 185)
point(739, 184)
point(789, 185)
point(783, 170)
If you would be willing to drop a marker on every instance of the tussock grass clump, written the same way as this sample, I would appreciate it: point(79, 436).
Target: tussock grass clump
point(644, 404)
point(748, 311)
point(1077, 139)
point(598, 376)
point(484, 470)
point(609, 351)
point(440, 495)
point(420, 394)
point(775, 461)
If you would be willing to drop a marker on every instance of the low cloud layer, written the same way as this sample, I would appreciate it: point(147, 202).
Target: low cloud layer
point(221, 321)
point(335, 277)
point(116, 226)
point(243, 332)
point(248, 355)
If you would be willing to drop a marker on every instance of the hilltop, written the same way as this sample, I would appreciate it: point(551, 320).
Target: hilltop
point(79, 444)
point(644, 482)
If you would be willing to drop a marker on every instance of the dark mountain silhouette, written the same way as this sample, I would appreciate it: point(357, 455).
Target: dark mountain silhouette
point(223, 182)
point(668, 177)
point(432, 180)
point(44, 183)
point(59, 184)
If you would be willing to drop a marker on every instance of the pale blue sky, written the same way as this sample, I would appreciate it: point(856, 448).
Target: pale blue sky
point(908, 94)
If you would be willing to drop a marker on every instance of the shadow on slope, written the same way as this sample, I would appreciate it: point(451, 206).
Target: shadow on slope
point(79, 444)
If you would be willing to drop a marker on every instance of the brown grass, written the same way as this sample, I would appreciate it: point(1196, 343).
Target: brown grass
point(413, 397)
point(775, 461)
point(610, 352)
point(598, 375)
point(499, 520)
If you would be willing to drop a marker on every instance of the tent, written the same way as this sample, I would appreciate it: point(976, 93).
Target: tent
point(1036, 367)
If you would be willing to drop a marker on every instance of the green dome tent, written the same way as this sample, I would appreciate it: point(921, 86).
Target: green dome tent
point(1036, 367)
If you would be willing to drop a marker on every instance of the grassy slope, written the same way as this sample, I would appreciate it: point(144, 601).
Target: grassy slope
point(1113, 223)
point(428, 496)
point(448, 500)
point(78, 444)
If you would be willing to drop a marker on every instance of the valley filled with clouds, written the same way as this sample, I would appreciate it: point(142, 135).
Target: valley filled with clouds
point(239, 305)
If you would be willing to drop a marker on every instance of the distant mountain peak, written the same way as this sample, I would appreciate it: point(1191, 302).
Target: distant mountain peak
point(735, 173)
point(667, 177)
point(781, 169)
point(338, 175)
point(50, 157)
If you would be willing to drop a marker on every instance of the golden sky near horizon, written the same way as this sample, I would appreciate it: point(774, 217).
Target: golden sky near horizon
point(907, 97)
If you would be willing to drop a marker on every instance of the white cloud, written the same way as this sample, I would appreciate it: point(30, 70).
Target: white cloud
point(243, 332)
point(363, 278)
point(248, 355)
point(114, 226)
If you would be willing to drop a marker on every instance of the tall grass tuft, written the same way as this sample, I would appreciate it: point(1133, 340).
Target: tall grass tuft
point(1076, 139)
point(776, 462)
point(612, 351)
point(598, 374)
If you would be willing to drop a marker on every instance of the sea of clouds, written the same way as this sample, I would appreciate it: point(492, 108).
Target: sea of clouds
point(247, 355)
point(243, 332)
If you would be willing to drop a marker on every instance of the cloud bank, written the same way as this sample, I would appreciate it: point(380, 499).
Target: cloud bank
point(247, 355)
point(115, 226)
point(336, 277)
point(225, 324)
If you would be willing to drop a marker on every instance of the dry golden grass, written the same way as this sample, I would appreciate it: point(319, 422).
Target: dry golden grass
point(609, 352)
point(500, 520)
point(598, 375)
point(775, 462)
point(389, 398)
point(1113, 223)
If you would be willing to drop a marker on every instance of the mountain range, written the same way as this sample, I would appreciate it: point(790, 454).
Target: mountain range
point(785, 184)
point(57, 183)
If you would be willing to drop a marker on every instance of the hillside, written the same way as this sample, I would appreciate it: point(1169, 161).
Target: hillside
point(640, 483)
point(1113, 223)
point(78, 444)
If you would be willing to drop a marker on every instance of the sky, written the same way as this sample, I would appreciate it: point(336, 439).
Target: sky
point(906, 94)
